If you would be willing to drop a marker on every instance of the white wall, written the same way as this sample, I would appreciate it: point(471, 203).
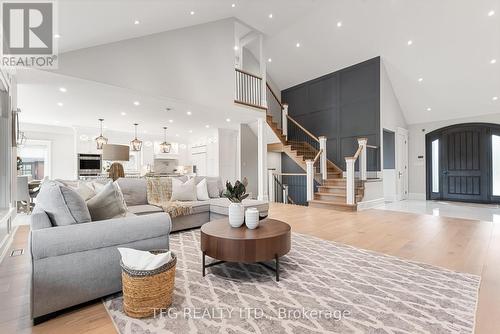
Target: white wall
point(193, 64)
point(249, 158)
point(63, 154)
point(228, 151)
point(417, 134)
point(391, 118)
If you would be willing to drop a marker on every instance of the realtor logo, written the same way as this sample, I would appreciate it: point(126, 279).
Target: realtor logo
point(28, 30)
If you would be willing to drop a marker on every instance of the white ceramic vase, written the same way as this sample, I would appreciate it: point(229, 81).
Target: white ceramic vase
point(236, 214)
point(252, 218)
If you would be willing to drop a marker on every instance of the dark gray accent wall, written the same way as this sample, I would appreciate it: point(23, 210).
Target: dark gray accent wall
point(389, 149)
point(342, 106)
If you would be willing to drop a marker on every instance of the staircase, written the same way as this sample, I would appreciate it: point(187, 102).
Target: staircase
point(333, 190)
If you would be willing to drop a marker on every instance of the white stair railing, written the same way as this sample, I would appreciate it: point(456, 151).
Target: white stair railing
point(351, 173)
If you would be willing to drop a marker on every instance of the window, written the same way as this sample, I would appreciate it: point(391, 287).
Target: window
point(435, 166)
point(35, 159)
point(495, 169)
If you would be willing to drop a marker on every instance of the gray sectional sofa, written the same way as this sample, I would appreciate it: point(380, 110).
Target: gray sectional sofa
point(135, 195)
point(77, 263)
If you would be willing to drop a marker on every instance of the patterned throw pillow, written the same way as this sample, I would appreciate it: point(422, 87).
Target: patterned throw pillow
point(108, 203)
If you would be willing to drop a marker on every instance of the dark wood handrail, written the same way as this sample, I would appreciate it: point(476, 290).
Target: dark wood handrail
point(274, 95)
point(248, 73)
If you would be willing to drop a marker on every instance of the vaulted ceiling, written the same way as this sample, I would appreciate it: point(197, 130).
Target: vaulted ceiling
point(450, 45)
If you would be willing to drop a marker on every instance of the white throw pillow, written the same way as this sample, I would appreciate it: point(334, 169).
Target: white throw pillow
point(84, 190)
point(183, 191)
point(202, 191)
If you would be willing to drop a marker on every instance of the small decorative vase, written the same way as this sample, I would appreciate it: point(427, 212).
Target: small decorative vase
point(252, 218)
point(236, 214)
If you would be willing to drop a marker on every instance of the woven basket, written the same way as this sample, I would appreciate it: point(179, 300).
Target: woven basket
point(145, 291)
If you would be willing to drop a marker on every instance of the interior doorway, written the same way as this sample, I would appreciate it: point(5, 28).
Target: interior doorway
point(463, 163)
point(401, 164)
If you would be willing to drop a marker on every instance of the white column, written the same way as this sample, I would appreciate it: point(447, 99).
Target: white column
point(263, 73)
point(350, 198)
point(262, 159)
point(323, 165)
point(284, 120)
point(362, 158)
point(310, 179)
point(270, 183)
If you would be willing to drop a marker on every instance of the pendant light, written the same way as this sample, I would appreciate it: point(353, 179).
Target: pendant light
point(101, 140)
point(165, 147)
point(136, 144)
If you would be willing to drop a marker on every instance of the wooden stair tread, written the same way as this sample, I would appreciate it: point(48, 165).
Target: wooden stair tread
point(338, 187)
point(319, 201)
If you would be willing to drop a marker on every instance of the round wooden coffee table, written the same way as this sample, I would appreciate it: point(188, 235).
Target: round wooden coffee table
point(270, 241)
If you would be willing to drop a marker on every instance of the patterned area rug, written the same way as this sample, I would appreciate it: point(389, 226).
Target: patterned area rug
point(324, 287)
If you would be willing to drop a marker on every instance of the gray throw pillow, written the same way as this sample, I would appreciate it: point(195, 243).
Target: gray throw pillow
point(108, 203)
point(63, 205)
point(213, 188)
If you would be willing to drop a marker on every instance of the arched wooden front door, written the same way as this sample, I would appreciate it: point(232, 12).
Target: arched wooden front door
point(460, 163)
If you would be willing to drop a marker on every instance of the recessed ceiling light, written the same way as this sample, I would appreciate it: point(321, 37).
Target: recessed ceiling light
point(123, 113)
point(137, 22)
point(493, 61)
point(491, 13)
point(339, 24)
point(410, 42)
point(170, 120)
point(60, 104)
point(269, 60)
point(57, 122)
point(191, 12)
point(57, 36)
point(495, 98)
point(207, 126)
point(189, 113)
point(233, 5)
point(420, 79)
point(62, 89)
point(297, 45)
point(84, 137)
point(270, 16)
point(228, 120)
point(177, 135)
point(148, 144)
point(137, 103)
point(429, 109)
point(190, 131)
point(235, 48)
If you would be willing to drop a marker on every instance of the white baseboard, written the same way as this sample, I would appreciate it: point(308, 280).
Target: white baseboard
point(5, 246)
point(370, 204)
point(417, 196)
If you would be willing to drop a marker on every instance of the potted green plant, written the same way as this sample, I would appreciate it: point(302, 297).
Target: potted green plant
point(236, 194)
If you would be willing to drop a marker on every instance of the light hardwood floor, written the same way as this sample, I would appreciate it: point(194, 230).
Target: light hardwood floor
point(457, 244)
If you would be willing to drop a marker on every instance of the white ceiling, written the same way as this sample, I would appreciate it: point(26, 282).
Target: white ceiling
point(453, 43)
point(84, 102)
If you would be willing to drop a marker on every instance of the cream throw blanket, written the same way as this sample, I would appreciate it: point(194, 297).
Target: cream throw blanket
point(159, 192)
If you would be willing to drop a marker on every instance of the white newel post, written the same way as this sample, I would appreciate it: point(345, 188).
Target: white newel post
point(310, 179)
point(362, 158)
point(262, 159)
point(285, 194)
point(270, 184)
point(350, 197)
point(323, 158)
point(284, 120)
